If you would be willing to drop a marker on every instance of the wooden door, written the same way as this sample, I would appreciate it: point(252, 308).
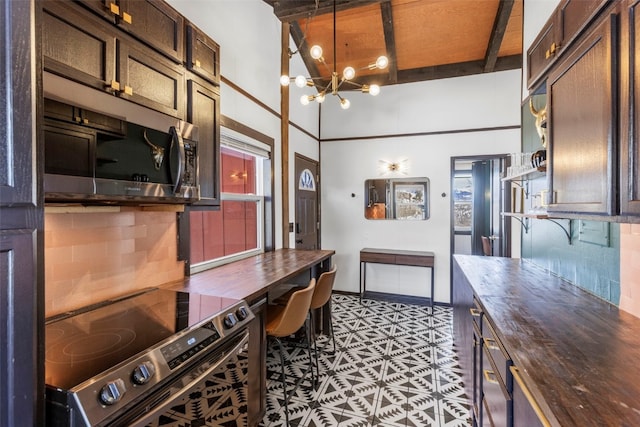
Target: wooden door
point(307, 225)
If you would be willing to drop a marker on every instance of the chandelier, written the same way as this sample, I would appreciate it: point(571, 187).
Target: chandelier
point(337, 81)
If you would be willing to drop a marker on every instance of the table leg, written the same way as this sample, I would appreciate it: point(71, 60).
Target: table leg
point(432, 286)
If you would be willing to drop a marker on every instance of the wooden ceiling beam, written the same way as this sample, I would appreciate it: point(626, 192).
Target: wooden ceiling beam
point(497, 34)
point(293, 10)
point(389, 40)
point(444, 71)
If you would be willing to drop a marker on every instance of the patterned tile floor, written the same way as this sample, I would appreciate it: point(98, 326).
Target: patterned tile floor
point(394, 366)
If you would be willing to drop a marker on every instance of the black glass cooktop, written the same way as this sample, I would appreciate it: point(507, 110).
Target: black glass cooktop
point(88, 342)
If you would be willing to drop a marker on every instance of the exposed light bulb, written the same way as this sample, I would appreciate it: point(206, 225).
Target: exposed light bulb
point(344, 103)
point(301, 81)
point(348, 73)
point(304, 100)
point(382, 62)
point(316, 52)
point(284, 80)
point(320, 98)
point(374, 90)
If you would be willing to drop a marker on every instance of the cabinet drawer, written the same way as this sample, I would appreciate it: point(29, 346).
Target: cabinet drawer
point(476, 315)
point(496, 397)
point(419, 261)
point(496, 352)
point(539, 55)
point(377, 258)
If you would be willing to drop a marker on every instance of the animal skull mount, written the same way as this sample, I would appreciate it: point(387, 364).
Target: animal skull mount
point(541, 122)
point(156, 152)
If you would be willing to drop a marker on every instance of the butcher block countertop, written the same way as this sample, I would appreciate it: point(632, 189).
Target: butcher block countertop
point(577, 353)
point(251, 278)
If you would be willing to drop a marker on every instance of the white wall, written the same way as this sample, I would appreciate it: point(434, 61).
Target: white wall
point(474, 102)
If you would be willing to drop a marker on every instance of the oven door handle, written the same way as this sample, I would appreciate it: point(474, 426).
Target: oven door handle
point(162, 407)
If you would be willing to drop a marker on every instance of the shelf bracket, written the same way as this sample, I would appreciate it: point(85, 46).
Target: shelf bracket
point(524, 222)
point(566, 232)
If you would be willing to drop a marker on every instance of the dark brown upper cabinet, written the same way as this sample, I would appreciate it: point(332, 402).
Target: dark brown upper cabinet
point(79, 46)
point(567, 22)
point(203, 110)
point(582, 100)
point(152, 21)
point(630, 109)
point(203, 55)
point(71, 114)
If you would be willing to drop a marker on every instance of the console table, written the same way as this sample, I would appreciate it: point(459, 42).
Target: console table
point(394, 257)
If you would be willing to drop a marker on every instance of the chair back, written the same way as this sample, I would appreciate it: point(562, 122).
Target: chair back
point(324, 287)
point(295, 312)
point(486, 245)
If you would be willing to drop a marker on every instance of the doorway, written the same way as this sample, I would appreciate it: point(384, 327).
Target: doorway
point(478, 197)
point(307, 225)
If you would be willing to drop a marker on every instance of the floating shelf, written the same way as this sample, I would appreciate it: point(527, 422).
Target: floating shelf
point(528, 174)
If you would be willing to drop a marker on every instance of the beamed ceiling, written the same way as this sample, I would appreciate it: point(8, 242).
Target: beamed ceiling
point(423, 39)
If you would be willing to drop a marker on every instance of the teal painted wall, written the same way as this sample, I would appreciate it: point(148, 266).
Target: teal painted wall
point(592, 266)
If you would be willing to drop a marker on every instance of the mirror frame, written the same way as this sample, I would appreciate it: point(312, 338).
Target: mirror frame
point(391, 206)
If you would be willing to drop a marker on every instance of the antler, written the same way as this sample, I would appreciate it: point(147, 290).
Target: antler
point(156, 152)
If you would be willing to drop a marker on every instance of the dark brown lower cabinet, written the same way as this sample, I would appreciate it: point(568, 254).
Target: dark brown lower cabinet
point(524, 414)
point(257, 360)
point(497, 399)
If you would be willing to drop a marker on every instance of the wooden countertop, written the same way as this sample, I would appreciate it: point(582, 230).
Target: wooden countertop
point(577, 353)
point(253, 277)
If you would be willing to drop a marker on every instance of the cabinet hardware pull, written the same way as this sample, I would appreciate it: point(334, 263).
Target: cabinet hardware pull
point(128, 90)
point(126, 17)
point(490, 343)
point(547, 54)
point(488, 376)
point(527, 393)
point(85, 121)
point(77, 119)
point(197, 63)
point(114, 8)
point(113, 86)
point(475, 312)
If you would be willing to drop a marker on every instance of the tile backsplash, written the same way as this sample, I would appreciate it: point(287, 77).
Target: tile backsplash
point(630, 268)
point(93, 256)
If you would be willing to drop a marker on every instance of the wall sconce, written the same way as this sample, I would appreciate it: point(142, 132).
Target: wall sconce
point(400, 167)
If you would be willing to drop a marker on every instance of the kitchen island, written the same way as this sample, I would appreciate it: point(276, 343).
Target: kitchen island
point(575, 355)
point(252, 279)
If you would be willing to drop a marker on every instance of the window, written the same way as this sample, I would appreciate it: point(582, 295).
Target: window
point(237, 229)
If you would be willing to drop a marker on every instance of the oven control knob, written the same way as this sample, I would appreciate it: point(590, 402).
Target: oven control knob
point(143, 373)
point(112, 392)
point(242, 313)
point(230, 321)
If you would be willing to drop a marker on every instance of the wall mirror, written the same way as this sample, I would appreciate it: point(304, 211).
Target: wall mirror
point(396, 198)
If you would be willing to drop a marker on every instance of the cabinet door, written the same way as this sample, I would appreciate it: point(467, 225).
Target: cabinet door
point(630, 106)
point(204, 112)
point(257, 359)
point(582, 124)
point(77, 45)
point(156, 23)
point(462, 300)
point(203, 55)
point(524, 414)
point(150, 79)
point(542, 52)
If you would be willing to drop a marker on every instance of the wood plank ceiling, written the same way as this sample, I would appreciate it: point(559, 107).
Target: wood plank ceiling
point(423, 39)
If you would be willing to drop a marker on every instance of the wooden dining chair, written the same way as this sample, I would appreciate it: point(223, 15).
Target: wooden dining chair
point(286, 320)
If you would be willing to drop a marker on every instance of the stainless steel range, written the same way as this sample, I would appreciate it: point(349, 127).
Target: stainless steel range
point(156, 358)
